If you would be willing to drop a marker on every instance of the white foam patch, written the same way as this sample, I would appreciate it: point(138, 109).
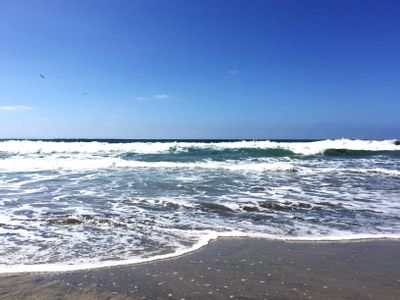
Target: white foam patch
point(389, 172)
point(69, 267)
point(25, 164)
point(17, 164)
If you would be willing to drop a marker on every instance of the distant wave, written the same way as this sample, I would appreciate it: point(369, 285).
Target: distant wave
point(359, 153)
point(272, 148)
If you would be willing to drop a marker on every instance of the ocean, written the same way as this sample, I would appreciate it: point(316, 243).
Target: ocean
point(77, 204)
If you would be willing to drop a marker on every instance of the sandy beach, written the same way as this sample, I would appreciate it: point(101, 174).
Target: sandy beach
point(231, 268)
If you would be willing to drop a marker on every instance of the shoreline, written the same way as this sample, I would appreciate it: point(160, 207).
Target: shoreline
point(232, 268)
point(56, 268)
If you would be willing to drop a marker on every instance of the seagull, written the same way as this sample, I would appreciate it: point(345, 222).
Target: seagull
point(42, 76)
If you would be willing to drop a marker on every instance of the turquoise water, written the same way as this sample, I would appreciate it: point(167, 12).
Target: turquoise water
point(80, 203)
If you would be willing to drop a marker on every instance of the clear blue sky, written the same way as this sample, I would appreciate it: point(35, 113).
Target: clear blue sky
point(200, 69)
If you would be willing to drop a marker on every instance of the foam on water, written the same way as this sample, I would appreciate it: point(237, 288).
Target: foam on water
point(70, 164)
point(29, 164)
point(78, 205)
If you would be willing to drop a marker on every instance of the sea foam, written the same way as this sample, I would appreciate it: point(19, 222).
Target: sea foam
point(70, 205)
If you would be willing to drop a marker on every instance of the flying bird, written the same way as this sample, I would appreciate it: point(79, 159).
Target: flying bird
point(42, 76)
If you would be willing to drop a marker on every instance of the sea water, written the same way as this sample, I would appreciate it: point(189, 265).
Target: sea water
point(73, 204)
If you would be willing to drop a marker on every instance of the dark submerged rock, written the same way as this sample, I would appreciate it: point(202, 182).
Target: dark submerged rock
point(65, 221)
point(214, 206)
point(284, 206)
point(272, 205)
point(249, 208)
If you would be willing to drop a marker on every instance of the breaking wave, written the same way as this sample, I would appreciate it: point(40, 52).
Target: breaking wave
point(69, 205)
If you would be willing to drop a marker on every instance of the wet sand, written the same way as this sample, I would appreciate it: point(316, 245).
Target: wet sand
point(233, 269)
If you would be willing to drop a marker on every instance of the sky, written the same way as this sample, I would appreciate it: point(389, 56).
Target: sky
point(268, 69)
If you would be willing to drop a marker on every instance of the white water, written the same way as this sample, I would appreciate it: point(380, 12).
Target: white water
point(305, 148)
point(129, 210)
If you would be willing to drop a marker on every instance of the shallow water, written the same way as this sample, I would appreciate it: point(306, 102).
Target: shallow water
point(88, 203)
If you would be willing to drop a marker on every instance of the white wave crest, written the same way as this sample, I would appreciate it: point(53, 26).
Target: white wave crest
point(53, 163)
point(304, 148)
